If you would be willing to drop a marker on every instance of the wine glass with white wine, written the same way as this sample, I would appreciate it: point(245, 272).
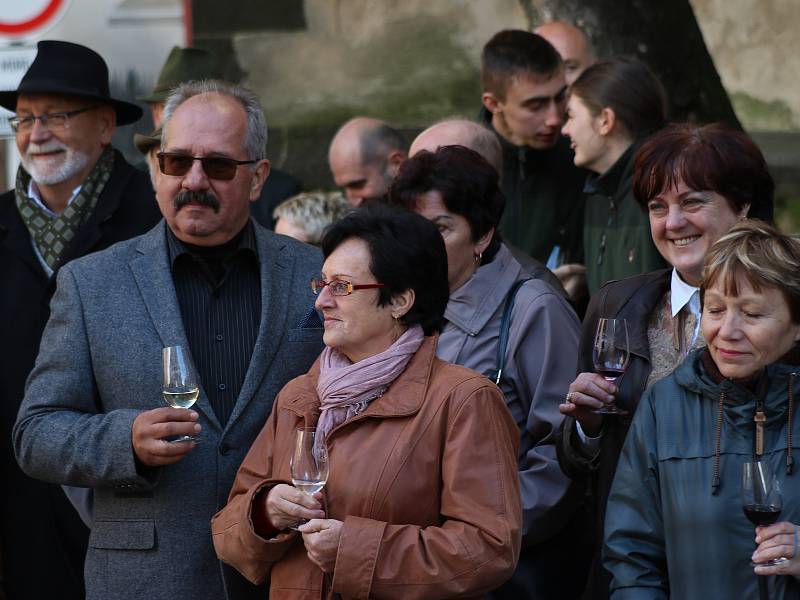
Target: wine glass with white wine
point(308, 463)
point(180, 386)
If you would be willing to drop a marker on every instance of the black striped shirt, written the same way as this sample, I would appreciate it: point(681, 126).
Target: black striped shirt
point(219, 293)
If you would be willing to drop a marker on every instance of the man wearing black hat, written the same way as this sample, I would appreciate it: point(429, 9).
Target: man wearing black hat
point(74, 195)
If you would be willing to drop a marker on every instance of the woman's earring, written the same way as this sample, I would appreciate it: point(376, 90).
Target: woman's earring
point(478, 258)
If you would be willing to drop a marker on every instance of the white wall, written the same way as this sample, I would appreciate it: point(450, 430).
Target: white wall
point(127, 33)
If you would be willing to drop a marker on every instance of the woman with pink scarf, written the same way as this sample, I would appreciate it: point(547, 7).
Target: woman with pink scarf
point(422, 499)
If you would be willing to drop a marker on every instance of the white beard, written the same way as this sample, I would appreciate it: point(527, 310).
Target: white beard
point(56, 169)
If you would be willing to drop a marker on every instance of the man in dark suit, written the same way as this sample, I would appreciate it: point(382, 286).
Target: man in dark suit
point(74, 195)
point(211, 280)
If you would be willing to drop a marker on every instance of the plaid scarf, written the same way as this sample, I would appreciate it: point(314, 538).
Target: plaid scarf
point(53, 234)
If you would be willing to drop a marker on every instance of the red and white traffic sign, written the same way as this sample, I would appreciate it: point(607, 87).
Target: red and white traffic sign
point(29, 18)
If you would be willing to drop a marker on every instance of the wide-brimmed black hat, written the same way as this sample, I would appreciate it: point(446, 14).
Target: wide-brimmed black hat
point(183, 64)
point(73, 70)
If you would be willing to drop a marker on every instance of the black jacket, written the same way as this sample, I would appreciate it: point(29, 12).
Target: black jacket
point(616, 231)
point(544, 199)
point(633, 299)
point(43, 539)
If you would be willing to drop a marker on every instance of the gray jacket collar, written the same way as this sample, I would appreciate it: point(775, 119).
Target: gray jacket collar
point(472, 305)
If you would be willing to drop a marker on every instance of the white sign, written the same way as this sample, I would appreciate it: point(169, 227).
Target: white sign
point(20, 19)
point(13, 64)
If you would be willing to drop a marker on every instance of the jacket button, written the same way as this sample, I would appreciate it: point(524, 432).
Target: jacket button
point(225, 449)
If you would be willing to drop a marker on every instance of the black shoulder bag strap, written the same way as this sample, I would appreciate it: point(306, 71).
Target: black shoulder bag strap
point(505, 325)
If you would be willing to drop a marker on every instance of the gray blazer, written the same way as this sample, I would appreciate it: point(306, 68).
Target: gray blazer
point(99, 366)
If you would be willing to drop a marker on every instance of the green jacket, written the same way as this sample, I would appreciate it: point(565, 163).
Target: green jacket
point(669, 532)
point(616, 232)
point(544, 199)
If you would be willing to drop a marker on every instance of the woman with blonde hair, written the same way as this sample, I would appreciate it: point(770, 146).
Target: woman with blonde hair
point(674, 523)
point(306, 216)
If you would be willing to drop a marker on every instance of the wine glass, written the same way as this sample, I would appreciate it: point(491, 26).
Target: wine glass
point(761, 500)
point(308, 463)
point(610, 355)
point(180, 386)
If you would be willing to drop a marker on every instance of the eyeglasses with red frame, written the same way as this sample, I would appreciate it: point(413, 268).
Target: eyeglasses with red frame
point(341, 287)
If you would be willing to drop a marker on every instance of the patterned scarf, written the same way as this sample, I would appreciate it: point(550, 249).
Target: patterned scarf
point(52, 235)
point(670, 339)
point(346, 389)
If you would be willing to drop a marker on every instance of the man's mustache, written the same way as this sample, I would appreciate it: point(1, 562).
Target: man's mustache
point(46, 148)
point(204, 198)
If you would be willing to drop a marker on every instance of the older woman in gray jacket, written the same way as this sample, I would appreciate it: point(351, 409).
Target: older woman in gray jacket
point(519, 332)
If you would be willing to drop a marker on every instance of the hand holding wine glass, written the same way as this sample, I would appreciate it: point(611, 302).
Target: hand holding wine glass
point(761, 500)
point(309, 463)
point(781, 539)
point(610, 354)
point(180, 385)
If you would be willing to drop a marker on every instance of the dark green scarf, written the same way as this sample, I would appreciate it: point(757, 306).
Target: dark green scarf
point(52, 235)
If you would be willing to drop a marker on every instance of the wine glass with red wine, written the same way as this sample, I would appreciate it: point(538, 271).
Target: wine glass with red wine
point(610, 354)
point(761, 500)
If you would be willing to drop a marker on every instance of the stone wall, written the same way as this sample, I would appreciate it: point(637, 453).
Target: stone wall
point(411, 63)
point(416, 62)
point(756, 49)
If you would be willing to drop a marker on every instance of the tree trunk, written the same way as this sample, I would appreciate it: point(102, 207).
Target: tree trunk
point(662, 33)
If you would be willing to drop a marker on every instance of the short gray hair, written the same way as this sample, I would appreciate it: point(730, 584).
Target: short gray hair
point(255, 140)
point(313, 212)
point(378, 142)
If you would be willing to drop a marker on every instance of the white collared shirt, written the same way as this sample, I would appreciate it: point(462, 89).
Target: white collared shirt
point(682, 294)
point(33, 194)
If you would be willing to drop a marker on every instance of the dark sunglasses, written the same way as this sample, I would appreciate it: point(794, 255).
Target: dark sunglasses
point(215, 167)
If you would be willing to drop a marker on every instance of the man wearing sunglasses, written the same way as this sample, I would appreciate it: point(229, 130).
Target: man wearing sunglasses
point(73, 195)
point(206, 278)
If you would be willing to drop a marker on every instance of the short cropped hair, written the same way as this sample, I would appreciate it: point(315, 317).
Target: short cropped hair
point(406, 252)
point(255, 140)
point(313, 212)
point(514, 52)
point(705, 157)
point(378, 142)
point(628, 87)
point(760, 254)
point(468, 185)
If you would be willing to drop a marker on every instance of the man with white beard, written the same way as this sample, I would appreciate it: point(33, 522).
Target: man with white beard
point(74, 194)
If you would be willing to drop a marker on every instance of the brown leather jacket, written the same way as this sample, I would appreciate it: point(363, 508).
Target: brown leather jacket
point(425, 481)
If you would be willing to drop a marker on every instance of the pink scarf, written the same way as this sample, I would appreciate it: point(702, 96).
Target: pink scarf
point(345, 388)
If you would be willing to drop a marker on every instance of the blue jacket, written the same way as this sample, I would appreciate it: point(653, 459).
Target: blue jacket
point(669, 532)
